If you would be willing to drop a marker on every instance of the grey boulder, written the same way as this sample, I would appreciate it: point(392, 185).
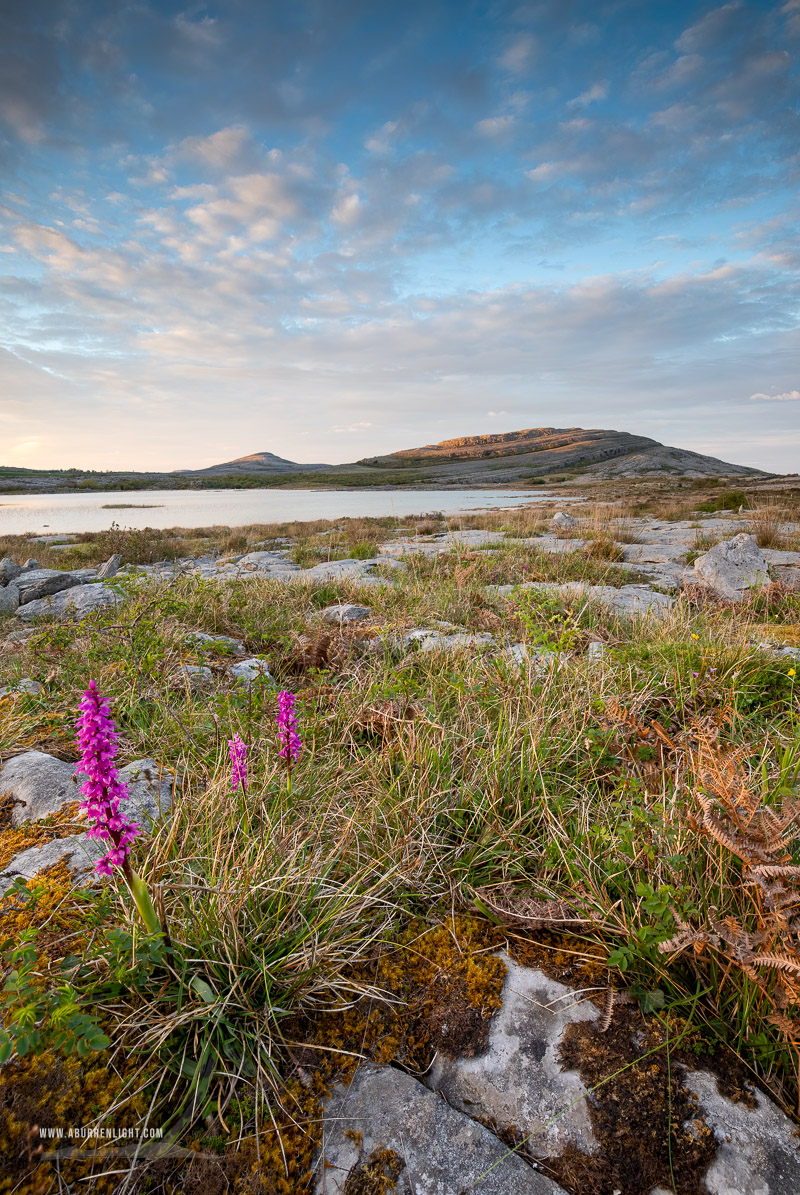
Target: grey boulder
point(41, 582)
point(110, 568)
point(9, 599)
point(9, 570)
point(757, 1149)
point(562, 521)
point(196, 676)
point(345, 612)
point(519, 1080)
point(39, 784)
point(734, 567)
point(73, 605)
point(388, 1120)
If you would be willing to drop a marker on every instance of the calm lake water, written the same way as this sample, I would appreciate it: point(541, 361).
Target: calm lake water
point(51, 514)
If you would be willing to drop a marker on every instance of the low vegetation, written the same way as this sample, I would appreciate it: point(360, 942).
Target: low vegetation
point(639, 811)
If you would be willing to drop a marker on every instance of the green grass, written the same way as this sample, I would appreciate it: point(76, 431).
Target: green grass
point(275, 898)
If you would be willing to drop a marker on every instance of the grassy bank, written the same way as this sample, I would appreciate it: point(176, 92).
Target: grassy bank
point(607, 810)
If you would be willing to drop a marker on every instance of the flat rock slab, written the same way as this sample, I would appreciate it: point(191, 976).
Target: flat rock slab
point(654, 553)
point(78, 850)
point(73, 605)
point(428, 640)
point(40, 582)
point(519, 1081)
point(435, 1150)
point(448, 541)
point(734, 567)
point(758, 1152)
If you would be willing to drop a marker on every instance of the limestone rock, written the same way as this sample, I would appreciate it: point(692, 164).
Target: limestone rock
point(247, 671)
point(222, 643)
point(40, 782)
point(110, 568)
point(41, 582)
point(9, 599)
point(43, 785)
point(435, 1149)
point(150, 789)
point(196, 676)
point(519, 1081)
point(562, 521)
point(9, 570)
point(733, 567)
point(654, 553)
point(758, 1151)
point(595, 651)
point(456, 641)
point(73, 605)
point(80, 852)
point(537, 659)
point(345, 612)
point(30, 687)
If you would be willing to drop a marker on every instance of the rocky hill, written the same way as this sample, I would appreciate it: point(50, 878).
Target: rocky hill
point(544, 451)
point(256, 462)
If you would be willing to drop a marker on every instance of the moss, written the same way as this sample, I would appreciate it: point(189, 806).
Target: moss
point(15, 839)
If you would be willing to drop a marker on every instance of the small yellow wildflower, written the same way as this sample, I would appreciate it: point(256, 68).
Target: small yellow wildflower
point(695, 636)
point(791, 672)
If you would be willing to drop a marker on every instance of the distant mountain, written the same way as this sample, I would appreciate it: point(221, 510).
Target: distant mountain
point(256, 462)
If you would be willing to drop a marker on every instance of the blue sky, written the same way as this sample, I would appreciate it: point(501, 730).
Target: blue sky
point(335, 228)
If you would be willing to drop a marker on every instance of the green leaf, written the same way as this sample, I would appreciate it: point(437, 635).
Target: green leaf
point(6, 1048)
point(202, 988)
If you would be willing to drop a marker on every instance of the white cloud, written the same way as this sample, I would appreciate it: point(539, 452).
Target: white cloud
point(597, 91)
point(493, 125)
point(786, 396)
point(519, 54)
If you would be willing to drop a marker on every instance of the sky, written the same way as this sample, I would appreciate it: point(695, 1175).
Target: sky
point(335, 228)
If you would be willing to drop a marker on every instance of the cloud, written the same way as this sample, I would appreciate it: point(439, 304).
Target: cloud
point(492, 126)
point(598, 91)
point(786, 396)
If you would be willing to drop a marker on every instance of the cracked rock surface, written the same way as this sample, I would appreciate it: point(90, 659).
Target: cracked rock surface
point(387, 1125)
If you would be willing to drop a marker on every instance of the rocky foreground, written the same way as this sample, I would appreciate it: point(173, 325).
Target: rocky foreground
point(567, 1080)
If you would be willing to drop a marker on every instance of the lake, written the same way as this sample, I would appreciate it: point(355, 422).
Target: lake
point(53, 514)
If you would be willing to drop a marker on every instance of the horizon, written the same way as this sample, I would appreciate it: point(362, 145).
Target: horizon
point(343, 229)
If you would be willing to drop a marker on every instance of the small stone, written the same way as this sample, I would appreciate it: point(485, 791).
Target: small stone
point(345, 612)
point(734, 567)
point(9, 570)
point(594, 651)
point(110, 568)
point(196, 676)
point(9, 599)
point(562, 521)
point(29, 565)
point(222, 642)
point(247, 671)
point(30, 687)
point(427, 1148)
